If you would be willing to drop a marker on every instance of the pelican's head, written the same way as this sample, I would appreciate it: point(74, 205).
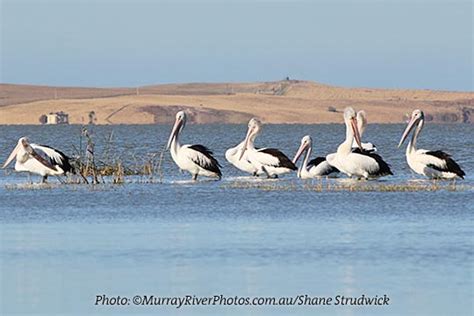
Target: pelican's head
point(23, 142)
point(181, 115)
point(179, 124)
point(306, 142)
point(350, 118)
point(254, 127)
point(417, 116)
point(349, 114)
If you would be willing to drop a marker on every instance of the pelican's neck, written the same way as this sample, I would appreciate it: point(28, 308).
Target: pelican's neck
point(414, 137)
point(175, 144)
point(306, 157)
point(251, 142)
point(346, 146)
point(361, 128)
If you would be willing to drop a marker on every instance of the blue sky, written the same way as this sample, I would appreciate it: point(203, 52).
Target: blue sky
point(393, 44)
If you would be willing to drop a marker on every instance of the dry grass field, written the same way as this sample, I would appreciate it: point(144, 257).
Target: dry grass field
point(288, 101)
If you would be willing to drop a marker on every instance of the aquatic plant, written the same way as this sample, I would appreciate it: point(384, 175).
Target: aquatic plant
point(93, 168)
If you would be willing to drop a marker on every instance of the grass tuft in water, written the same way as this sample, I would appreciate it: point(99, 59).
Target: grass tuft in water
point(90, 168)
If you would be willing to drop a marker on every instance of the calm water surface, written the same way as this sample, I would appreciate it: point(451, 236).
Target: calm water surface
point(64, 244)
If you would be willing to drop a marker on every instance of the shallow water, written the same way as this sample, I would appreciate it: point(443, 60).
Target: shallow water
point(61, 245)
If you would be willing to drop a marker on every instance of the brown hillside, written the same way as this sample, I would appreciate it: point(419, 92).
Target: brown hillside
point(288, 101)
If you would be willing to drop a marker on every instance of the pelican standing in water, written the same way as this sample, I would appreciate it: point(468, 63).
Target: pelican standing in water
point(38, 159)
point(269, 161)
point(196, 159)
point(358, 163)
point(232, 155)
point(315, 168)
point(433, 164)
point(361, 125)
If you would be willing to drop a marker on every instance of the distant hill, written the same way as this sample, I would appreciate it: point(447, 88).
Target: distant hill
point(287, 101)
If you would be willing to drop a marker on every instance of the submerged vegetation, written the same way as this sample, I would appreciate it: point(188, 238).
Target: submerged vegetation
point(351, 186)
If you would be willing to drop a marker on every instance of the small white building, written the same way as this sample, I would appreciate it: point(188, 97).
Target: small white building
point(57, 118)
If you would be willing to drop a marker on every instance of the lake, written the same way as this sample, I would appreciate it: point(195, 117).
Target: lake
point(62, 245)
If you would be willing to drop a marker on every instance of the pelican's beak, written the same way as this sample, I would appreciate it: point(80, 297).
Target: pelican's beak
point(246, 143)
point(355, 130)
point(12, 155)
point(299, 152)
point(177, 125)
point(407, 131)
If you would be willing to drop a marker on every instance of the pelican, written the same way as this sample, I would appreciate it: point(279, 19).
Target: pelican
point(232, 156)
point(358, 163)
point(361, 125)
point(317, 167)
point(196, 159)
point(433, 164)
point(39, 159)
point(270, 161)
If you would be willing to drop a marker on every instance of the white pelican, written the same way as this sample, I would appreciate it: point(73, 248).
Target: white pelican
point(232, 156)
point(433, 164)
point(270, 161)
point(317, 167)
point(359, 163)
point(38, 159)
point(196, 159)
point(361, 125)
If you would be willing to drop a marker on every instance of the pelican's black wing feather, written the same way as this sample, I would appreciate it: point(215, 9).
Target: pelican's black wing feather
point(45, 162)
point(318, 160)
point(384, 168)
point(451, 165)
point(65, 163)
point(213, 166)
point(284, 161)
